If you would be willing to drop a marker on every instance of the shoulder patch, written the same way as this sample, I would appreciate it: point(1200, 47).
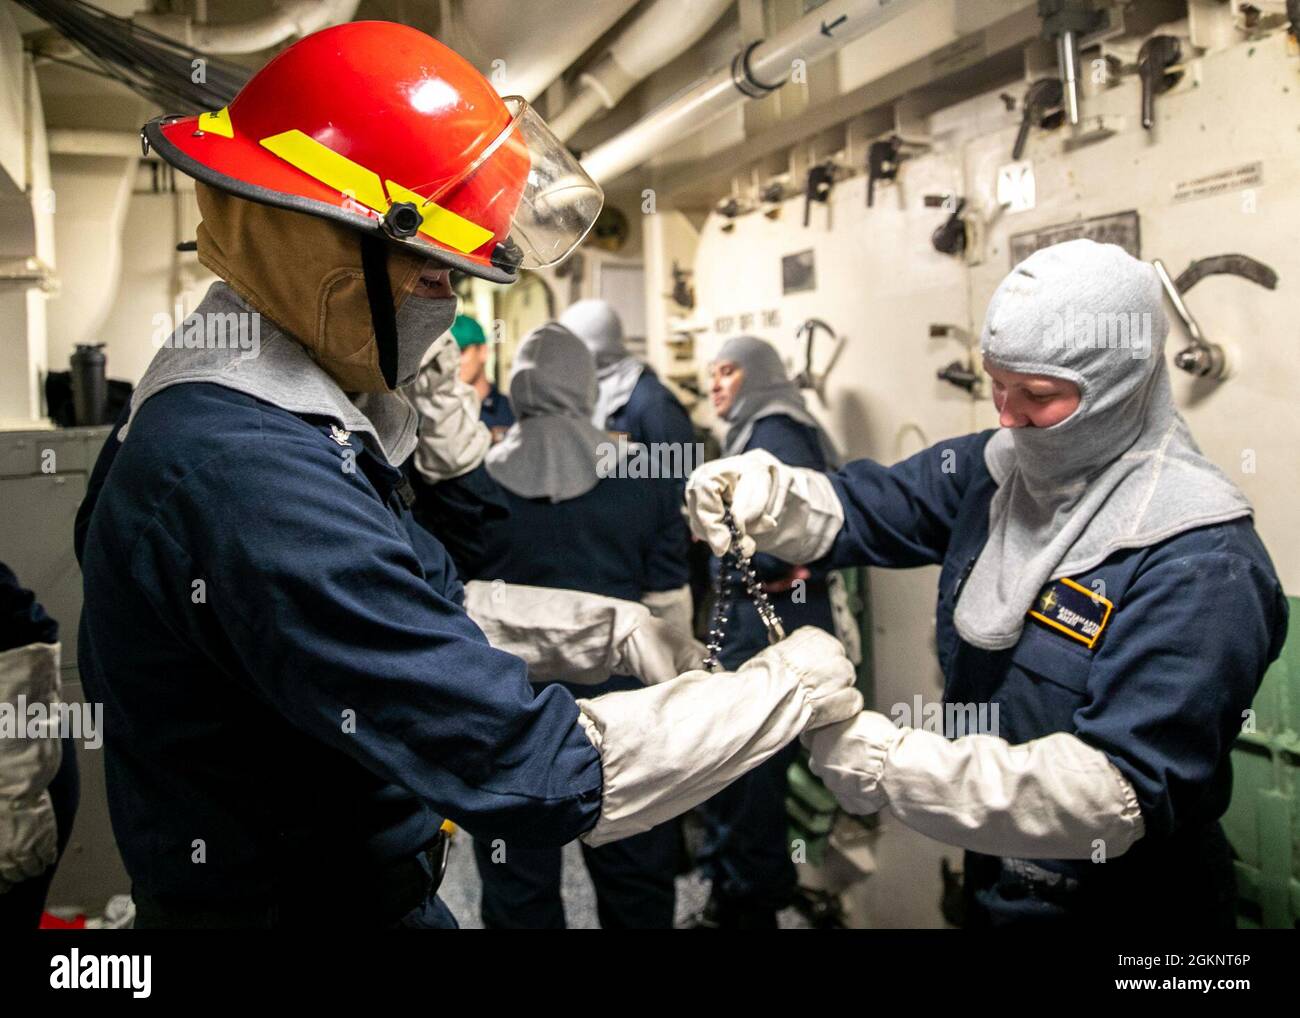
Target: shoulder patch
point(1072, 609)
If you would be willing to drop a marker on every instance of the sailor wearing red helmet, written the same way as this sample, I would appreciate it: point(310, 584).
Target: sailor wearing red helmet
point(294, 694)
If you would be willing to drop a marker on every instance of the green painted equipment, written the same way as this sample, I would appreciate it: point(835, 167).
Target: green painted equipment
point(1263, 822)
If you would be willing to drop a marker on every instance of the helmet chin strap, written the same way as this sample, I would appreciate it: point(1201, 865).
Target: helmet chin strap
point(379, 292)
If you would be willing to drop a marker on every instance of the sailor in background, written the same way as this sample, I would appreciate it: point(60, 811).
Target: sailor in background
point(746, 851)
point(571, 519)
point(494, 406)
point(631, 401)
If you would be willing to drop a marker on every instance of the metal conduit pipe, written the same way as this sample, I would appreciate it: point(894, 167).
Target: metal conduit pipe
point(290, 19)
point(524, 47)
point(659, 33)
point(759, 69)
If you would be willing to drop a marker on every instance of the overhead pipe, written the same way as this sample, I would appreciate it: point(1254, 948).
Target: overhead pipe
point(288, 20)
point(524, 47)
point(662, 31)
point(757, 70)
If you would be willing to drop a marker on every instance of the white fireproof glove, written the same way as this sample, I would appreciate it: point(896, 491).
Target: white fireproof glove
point(451, 439)
point(28, 833)
point(571, 636)
point(1050, 798)
point(666, 749)
point(673, 606)
point(790, 512)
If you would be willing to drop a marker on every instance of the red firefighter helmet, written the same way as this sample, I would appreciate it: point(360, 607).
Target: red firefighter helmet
point(380, 127)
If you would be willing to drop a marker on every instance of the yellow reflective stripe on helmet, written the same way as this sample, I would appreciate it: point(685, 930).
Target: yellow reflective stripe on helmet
point(327, 166)
point(442, 224)
point(217, 122)
point(351, 178)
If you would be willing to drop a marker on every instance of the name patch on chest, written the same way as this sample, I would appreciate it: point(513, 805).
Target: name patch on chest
point(1072, 609)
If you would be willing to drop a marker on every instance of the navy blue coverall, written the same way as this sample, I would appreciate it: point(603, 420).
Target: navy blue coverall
point(745, 851)
point(1197, 619)
point(624, 537)
point(496, 411)
point(293, 695)
point(652, 414)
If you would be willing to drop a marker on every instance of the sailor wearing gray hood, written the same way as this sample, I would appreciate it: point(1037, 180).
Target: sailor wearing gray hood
point(567, 521)
point(1102, 586)
point(745, 850)
point(630, 397)
point(632, 401)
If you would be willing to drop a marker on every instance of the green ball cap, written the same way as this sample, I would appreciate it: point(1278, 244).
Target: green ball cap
point(467, 332)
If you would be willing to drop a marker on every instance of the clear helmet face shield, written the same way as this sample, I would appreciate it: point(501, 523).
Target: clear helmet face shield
point(530, 195)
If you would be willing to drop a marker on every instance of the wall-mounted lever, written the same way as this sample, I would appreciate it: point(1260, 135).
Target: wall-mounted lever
point(1201, 357)
point(1043, 96)
point(820, 180)
point(950, 236)
point(883, 160)
point(960, 375)
point(1065, 22)
point(1156, 56)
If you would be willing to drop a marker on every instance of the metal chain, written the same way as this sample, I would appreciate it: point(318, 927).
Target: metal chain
point(734, 563)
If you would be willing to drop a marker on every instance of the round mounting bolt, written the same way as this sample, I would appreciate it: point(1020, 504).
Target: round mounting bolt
point(402, 220)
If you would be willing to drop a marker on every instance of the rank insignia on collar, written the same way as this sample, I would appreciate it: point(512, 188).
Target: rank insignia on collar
point(339, 435)
point(1072, 609)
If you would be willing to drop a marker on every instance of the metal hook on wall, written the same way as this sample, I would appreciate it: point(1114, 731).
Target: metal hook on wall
point(807, 379)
